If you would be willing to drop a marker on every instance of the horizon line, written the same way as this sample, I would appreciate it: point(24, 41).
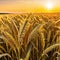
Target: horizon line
point(25, 12)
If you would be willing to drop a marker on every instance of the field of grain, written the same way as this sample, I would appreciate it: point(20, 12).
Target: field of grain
point(30, 36)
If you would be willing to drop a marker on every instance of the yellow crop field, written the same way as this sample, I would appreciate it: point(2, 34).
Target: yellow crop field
point(30, 36)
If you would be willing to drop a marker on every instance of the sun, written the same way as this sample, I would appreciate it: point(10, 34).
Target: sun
point(49, 5)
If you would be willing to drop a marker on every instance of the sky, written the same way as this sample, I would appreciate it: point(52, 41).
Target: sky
point(29, 5)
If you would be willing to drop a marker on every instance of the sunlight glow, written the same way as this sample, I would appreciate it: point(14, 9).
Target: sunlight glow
point(34, 6)
point(49, 5)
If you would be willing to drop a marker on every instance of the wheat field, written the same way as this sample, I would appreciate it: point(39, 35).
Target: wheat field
point(30, 36)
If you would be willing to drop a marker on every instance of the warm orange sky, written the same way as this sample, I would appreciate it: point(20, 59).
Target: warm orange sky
point(29, 6)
